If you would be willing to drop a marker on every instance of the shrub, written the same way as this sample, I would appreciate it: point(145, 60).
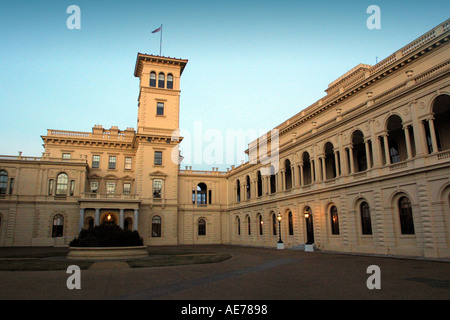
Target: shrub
point(107, 235)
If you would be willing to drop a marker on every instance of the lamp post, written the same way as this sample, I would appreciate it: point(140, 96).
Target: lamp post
point(280, 244)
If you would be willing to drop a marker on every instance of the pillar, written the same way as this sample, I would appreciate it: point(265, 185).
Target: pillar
point(433, 135)
point(135, 220)
point(97, 217)
point(408, 142)
point(121, 218)
point(386, 149)
point(81, 222)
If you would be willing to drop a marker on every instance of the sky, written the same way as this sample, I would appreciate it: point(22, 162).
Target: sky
point(252, 64)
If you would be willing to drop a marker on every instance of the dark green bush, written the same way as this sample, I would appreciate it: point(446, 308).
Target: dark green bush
point(107, 235)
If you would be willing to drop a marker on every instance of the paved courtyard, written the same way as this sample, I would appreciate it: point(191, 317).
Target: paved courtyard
point(250, 274)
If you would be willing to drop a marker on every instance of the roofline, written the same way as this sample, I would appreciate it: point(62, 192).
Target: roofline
point(161, 59)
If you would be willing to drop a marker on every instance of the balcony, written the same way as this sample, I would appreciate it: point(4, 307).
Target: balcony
point(107, 196)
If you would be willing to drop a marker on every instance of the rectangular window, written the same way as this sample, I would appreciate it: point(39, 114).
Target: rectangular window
point(72, 187)
point(51, 182)
point(94, 186)
point(110, 187)
point(157, 188)
point(11, 185)
point(66, 156)
point(95, 161)
point(160, 108)
point(158, 158)
point(112, 162)
point(126, 188)
point(128, 163)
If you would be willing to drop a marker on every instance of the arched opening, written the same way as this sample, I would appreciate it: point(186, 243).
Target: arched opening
point(238, 191)
point(441, 110)
point(274, 224)
point(291, 223)
point(334, 220)
point(366, 222)
point(249, 225)
point(202, 227)
point(259, 184)
point(3, 181)
point(156, 227)
point(307, 172)
point(201, 194)
point(88, 223)
point(58, 226)
point(309, 225)
point(396, 137)
point(406, 216)
point(109, 218)
point(359, 151)
point(248, 188)
point(260, 224)
point(128, 224)
point(273, 185)
point(287, 174)
point(330, 163)
point(238, 226)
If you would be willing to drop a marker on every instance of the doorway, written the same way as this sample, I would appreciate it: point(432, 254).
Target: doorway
point(309, 226)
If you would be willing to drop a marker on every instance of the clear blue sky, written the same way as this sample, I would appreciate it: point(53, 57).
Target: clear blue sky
point(252, 64)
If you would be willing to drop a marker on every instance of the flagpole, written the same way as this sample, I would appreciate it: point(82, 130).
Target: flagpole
point(160, 41)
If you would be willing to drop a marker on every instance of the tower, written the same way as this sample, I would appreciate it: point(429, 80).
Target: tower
point(156, 142)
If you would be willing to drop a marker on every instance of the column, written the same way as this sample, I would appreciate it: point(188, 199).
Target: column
point(324, 169)
point(346, 160)
point(433, 135)
point(121, 218)
point(386, 149)
point(81, 222)
point(97, 217)
point(336, 163)
point(135, 220)
point(408, 141)
point(293, 176)
point(352, 159)
point(366, 146)
point(302, 179)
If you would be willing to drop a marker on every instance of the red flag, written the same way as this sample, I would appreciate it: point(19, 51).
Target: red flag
point(157, 30)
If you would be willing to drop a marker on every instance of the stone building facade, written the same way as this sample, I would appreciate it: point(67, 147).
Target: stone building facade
point(364, 169)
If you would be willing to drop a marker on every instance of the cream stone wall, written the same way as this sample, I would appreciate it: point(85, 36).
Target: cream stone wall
point(379, 134)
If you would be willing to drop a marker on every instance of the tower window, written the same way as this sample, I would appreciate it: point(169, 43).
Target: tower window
point(169, 81)
point(161, 80)
point(158, 158)
point(152, 79)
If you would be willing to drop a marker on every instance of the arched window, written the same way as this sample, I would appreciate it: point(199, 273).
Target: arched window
point(406, 216)
point(259, 184)
point(156, 227)
point(169, 81)
point(247, 187)
point(249, 226)
point(153, 79)
point(3, 181)
point(441, 111)
point(274, 224)
point(261, 225)
point(62, 183)
point(88, 223)
point(334, 220)
point(291, 223)
point(238, 191)
point(366, 223)
point(393, 151)
point(161, 80)
point(288, 174)
point(201, 194)
point(202, 227)
point(58, 226)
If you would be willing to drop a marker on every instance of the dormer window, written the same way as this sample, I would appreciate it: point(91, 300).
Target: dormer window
point(153, 79)
point(169, 81)
point(161, 80)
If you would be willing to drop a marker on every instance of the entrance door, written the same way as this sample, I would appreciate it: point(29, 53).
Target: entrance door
point(309, 227)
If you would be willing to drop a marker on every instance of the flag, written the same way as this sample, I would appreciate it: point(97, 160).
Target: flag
point(157, 30)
